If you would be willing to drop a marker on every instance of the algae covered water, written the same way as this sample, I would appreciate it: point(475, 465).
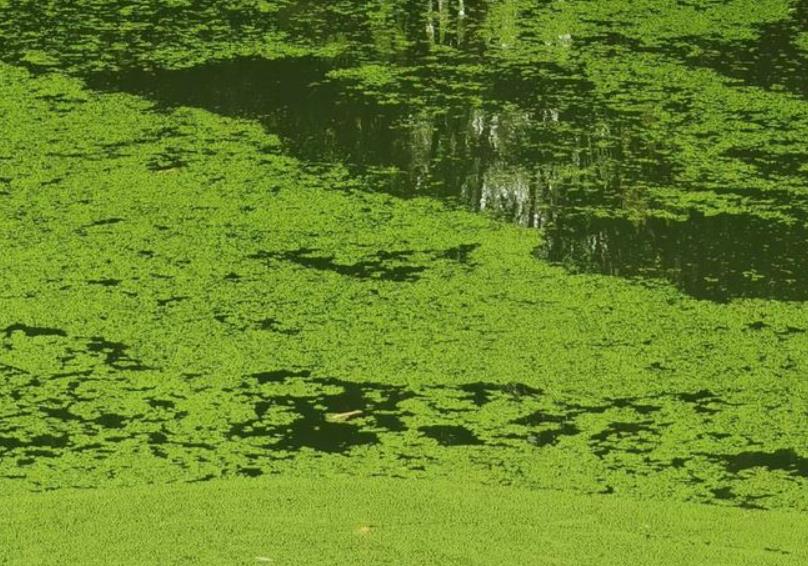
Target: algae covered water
point(549, 244)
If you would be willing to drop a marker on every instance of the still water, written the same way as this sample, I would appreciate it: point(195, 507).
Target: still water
point(615, 182)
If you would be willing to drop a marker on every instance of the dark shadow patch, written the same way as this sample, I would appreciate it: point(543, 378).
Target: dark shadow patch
point(549, 437)
point(39, 441)
point(168, 301)
point(325, 422)
point(614, 437)
point(631, 403)
point(450, 435)
point(480, 392)
point(60, 413)
point(104, 222)
point(33, 331)
point(250, 472)
point(279, 376)
point(111, 420)
point(378, 268)
point(459, 253)
point(786, 460)
point(772, 61)
point(115, 354)
point(166, 161)
point(701, 400)
point(104, 282)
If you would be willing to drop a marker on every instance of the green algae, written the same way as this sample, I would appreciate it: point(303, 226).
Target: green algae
point(161, 254)
point(212, 278)
point(382, 520)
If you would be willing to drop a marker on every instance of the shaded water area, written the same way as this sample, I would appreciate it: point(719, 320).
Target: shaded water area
point(543, 149)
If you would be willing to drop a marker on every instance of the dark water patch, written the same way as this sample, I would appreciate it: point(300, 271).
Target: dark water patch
point(60, 413)
point(631, 403)
point(323, 436)
point(104, 282)
point(167, 161)
point(450, 435)
point(699, 396)
point(771, 165)
point(703, 256)
point(784, 459)
point(157, 437)
point(104, 222)
point(480, 392)
point(722, 492)
point(291, 97)
point(39, 441)
point(33, 331)
point(549, 437)
point(169, 300)
point(378, 268)
point(726, 493)
point(776, 550)
point(323, 421)
point(274, 325)
point(268, 324)
point(538, 418)
point(679, 462)
point(460, 253)
point(111, 420)
point(250, 472)
point(115, 354)
point(616, 437)
point(279, 376)
point(773, 60)
point(757, 325)
point(701, 401)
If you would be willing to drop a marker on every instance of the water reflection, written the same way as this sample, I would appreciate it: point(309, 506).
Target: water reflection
point(715, 257)
point(773, 60)
point(534, 146)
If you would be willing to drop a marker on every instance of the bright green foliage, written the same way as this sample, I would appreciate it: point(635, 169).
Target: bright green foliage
point(383, 521)
point(185, 297)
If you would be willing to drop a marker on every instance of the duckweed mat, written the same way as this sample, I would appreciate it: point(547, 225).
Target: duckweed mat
point(529, 246)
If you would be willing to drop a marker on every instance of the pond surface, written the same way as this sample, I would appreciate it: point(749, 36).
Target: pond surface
point(454, 112)
point(239, 242)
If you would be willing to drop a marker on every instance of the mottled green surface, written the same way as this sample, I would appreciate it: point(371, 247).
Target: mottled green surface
point(304, 521)
point(186, 294)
